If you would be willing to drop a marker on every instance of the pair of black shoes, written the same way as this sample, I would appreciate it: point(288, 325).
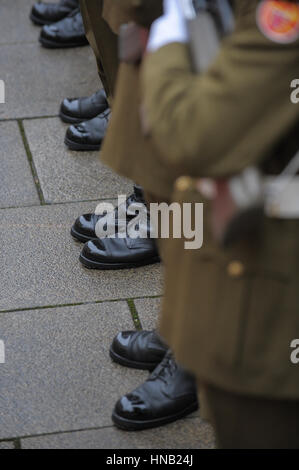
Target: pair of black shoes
point(167, 395)
point(101, 252)
point(117, 252)
point(62, 24)
point(89, 118)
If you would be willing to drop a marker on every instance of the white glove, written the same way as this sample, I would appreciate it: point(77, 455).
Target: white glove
point(171, 27)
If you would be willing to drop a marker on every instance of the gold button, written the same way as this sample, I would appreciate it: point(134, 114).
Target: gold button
point(235, 269)
point(184, 183)
point(274, 210)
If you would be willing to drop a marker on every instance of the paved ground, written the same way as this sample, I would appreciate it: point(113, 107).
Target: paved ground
point(58, 385)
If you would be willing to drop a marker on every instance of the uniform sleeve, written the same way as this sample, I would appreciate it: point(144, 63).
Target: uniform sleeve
point(228, 118)
point(144, 12)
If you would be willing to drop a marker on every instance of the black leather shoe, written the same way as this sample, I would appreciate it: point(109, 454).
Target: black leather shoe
point(169, 394)
point(68, 32)
point(88, 135)
point(85, 226)
point(83, 229)
point(138, 349)
point(119, 253)
point(75, 110)
point(43, 13)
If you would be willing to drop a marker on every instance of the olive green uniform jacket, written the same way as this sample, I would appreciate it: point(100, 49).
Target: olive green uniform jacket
point(230, 315)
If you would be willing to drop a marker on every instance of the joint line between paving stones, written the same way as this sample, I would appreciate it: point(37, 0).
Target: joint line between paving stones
point(17, 444)
point(78, 304)
point(29, 118)
point(31, 162)
point(17, 43)
point(55, 433)
point(70, 431)
point(134, 313)
point(61, 203)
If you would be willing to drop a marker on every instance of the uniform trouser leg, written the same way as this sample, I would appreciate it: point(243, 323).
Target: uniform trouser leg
point(246, 422)
point(103, 42)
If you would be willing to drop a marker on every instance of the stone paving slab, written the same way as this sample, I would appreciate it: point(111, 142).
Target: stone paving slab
point(39, 263)
point(66, 175)
point(38, 79)
point(186, 434)
point(17, 185)
point(8, 445)
point(148, 312)
point(58, 375)
point(14, 13)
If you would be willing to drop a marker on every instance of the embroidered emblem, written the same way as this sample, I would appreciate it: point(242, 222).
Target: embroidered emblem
point(279, 21)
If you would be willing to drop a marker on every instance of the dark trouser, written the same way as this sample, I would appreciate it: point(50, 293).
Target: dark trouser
point(103, 42)
point(247, 422)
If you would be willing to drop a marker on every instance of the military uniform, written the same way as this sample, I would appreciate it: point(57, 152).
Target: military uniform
point(230, 315)
point(126, 149)
point(102, 19)
point(102, 40)
point(144, 12)
point(221, 101)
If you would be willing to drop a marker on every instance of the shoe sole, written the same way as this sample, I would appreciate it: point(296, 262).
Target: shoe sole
point(111, 266)
point(57, 45)
point(131, 425)
point(132, 364)
point(71, 120)
point(79, 237)
point(80, 147)
point(37, 21)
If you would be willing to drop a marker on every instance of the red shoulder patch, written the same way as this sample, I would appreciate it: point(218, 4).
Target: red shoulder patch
point(279, 21)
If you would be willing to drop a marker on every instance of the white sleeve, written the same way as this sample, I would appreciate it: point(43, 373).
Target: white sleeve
point(171, 27)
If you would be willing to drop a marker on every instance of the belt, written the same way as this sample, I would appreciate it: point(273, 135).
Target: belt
point(282, 198)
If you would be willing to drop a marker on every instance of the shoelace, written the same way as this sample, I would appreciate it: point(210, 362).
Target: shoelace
point(96, 96)
point(167, 368)
point(106, 114)
point(133, 199)
point(76, 19)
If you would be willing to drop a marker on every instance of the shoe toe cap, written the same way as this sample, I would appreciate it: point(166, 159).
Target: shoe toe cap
point(70, 107)
point(85, 224)
point(39, 11)
point(94, 250)
point(77, 133)
point(131, 406)
point(49, 32)
point(122, 341)
point(48, 13)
